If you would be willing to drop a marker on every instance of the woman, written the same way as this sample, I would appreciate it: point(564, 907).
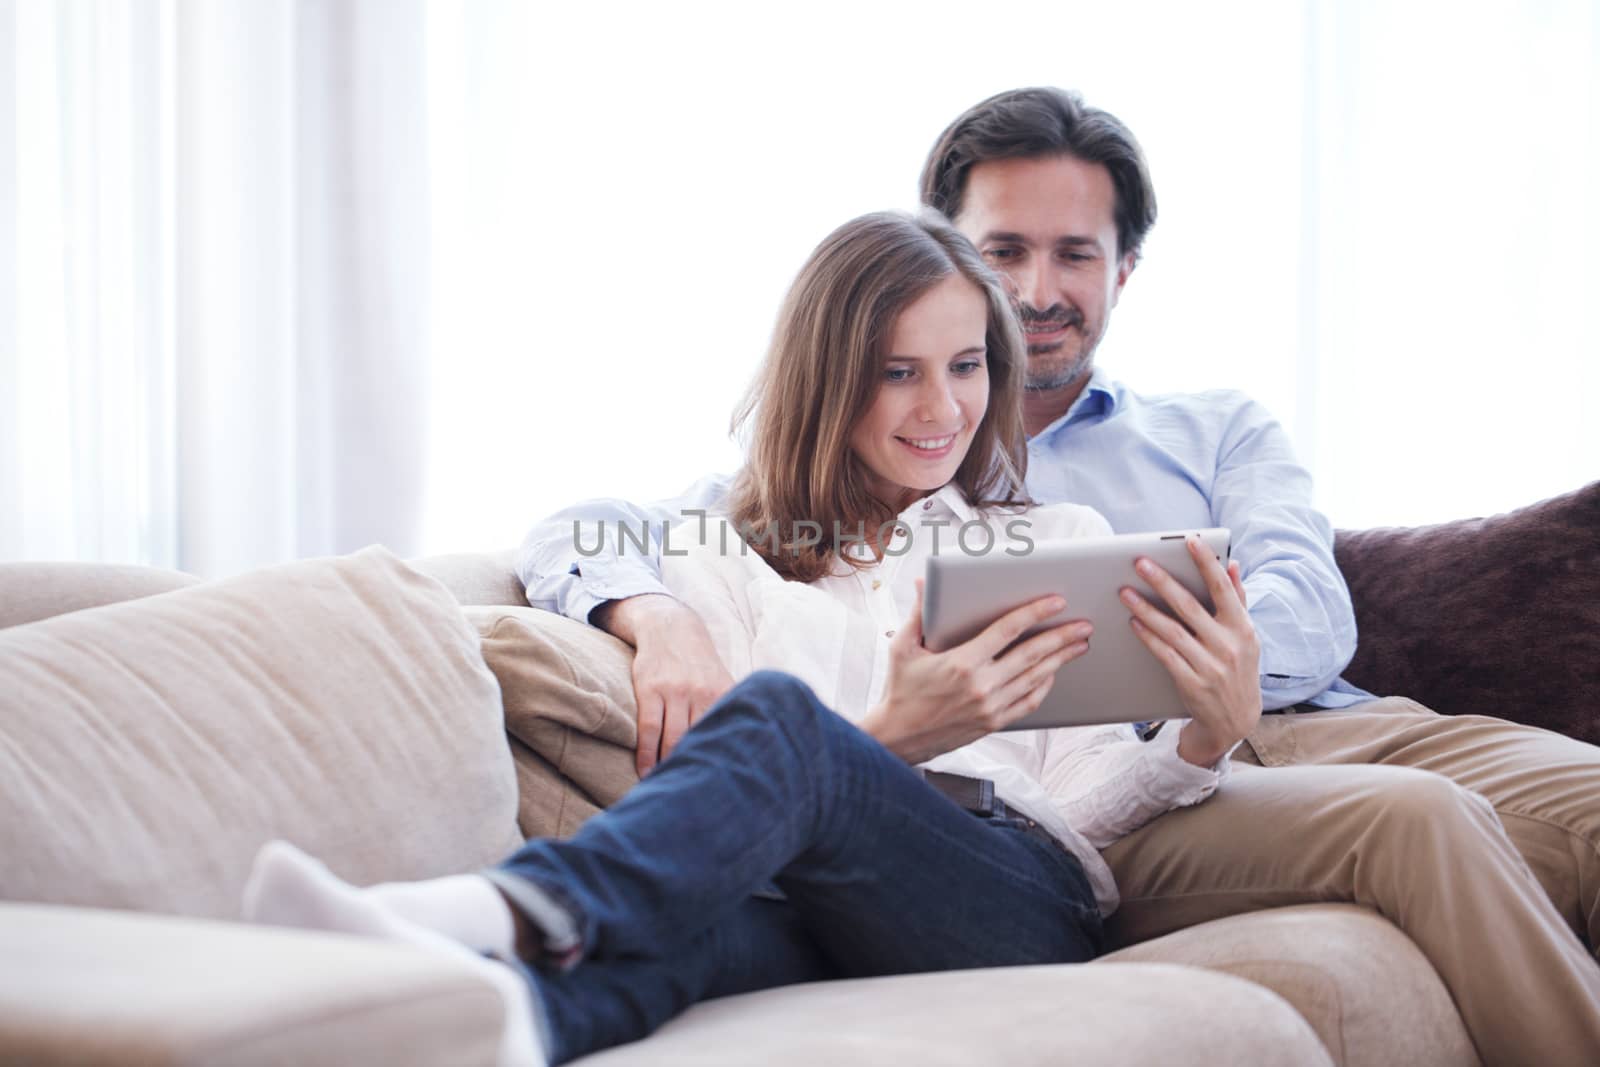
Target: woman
point(779, 842)
point(887, 415)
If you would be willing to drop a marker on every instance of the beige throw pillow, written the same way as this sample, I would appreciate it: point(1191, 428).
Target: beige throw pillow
point(568, 695)
point(148, 749)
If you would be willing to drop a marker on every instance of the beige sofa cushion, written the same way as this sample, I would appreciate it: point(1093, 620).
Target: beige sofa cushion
point(1016, 1016)
point(568, 693)
point(148, 749)
point(117, 988)
point(33, 591)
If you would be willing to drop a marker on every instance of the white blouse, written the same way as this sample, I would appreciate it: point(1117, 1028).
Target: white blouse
point(1086, 785)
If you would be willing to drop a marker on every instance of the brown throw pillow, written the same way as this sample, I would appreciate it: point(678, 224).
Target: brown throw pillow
point(1496, 616)
point(549, 804)
point(568, 695)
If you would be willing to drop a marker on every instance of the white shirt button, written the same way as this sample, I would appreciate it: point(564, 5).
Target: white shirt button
point(888, 633)
point(927, 505)
point(876, 584)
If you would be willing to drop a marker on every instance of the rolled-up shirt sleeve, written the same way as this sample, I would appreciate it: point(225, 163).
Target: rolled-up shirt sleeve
point(601, 550)
point(1106, 783)
point(1298, 599)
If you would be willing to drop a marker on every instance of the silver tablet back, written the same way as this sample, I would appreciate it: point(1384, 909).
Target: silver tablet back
point(1117, 680)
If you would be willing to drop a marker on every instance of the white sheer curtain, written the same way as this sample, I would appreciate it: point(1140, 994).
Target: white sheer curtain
point(86, 306)
point(285, 277)
point(215, 346)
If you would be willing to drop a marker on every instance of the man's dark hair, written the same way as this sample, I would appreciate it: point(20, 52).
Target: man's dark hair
point(1032, 123)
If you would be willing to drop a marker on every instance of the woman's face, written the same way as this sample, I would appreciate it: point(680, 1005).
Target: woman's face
point(934, 391)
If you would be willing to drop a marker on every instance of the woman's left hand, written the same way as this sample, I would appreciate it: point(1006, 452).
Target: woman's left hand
point(1214, 659)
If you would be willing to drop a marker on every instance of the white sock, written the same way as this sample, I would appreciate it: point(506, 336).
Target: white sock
point(289, 888)
point(464, 907)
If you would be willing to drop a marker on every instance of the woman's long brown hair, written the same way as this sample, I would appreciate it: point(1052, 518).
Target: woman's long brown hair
point(823, 371)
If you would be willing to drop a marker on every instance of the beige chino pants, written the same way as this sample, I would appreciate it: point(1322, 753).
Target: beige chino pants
point(1432, 821)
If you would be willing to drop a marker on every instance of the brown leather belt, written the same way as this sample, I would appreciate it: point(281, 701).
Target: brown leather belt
point(974, 794)
point(977, 796)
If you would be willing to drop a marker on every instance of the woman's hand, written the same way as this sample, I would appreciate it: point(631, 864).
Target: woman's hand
point(1215, 660)
point(935, 702)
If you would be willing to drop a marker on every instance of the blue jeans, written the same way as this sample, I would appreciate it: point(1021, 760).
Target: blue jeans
point(879, 873)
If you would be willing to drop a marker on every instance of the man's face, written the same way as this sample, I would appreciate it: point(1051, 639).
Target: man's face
point(1048, 226)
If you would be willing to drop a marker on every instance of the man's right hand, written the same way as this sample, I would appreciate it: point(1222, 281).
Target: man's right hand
point(935, 702)
point(677, 674)
point(1215, 661)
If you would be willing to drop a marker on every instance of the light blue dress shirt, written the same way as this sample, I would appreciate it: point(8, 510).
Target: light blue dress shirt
point(1182, 461)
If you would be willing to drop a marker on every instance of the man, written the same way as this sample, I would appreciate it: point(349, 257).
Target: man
point(1058, 198)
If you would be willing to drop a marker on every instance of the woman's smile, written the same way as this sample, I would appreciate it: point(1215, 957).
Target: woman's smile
point(931, 447)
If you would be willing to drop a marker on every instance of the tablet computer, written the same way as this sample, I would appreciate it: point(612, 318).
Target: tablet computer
point(1117, 680)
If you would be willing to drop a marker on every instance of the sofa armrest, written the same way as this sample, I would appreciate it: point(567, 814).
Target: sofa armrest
point(86, 986)
point(1365, 988)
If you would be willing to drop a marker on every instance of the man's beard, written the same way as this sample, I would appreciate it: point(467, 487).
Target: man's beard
point(1047, 370)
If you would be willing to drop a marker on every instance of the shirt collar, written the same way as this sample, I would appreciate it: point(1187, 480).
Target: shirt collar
point(1099, 397)
point(948, 502)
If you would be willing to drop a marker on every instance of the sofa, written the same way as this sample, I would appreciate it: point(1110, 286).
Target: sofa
point(404, 720)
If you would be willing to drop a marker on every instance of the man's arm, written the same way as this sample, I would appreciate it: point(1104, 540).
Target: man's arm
point(1298, 599)
point(602, 551)
point(599, 562)
point(677, 674)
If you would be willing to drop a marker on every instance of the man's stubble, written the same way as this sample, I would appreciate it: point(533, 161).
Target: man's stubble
point(1049, 368)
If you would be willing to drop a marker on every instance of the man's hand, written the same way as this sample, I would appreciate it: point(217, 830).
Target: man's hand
point(935, 702)
point(677, 674)
point(1213, 659)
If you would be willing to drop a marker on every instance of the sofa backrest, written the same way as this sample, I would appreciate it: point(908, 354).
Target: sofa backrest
point(477, 577)
point(33, 591)
point(1497, 616)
